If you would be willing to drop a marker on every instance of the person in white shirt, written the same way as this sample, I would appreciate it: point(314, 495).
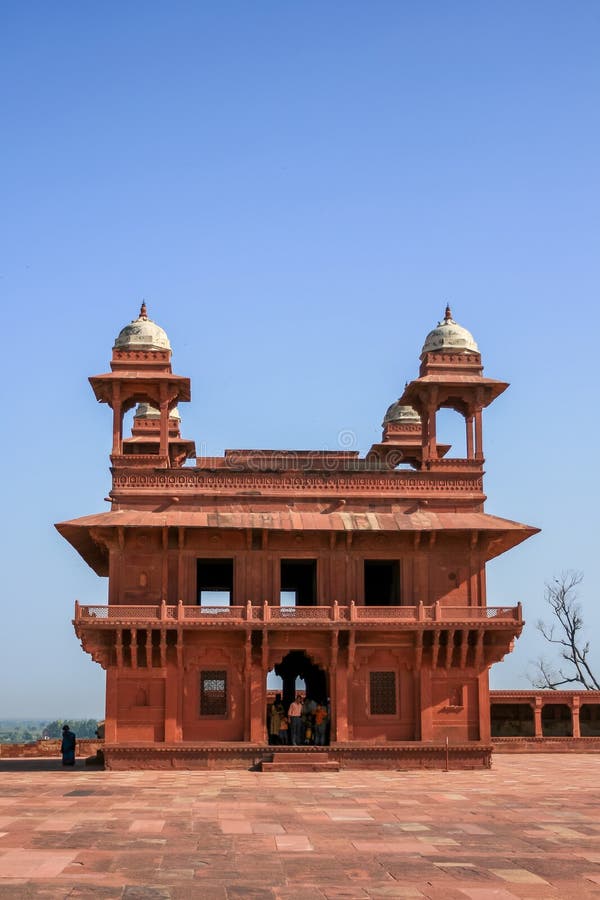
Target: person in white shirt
point(295, 717)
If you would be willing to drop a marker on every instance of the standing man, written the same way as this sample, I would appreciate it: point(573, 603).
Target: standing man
point(67, 748)
point(295, 717)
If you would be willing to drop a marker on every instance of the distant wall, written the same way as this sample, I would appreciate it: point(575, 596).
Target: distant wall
point(85, 747)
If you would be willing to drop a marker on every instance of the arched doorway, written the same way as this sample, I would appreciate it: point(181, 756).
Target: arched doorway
point(297, 664)
point(297, 674)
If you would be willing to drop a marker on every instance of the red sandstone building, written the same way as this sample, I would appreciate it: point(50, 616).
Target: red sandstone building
point(364, 576)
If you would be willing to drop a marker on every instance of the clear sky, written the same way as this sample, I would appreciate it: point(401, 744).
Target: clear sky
point(296, 189)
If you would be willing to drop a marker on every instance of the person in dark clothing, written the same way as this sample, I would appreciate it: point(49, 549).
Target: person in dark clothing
point(67, 748)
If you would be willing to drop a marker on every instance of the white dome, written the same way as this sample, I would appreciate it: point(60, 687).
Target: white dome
point(406, 415)
point(142, 334)
point(147, 411)
point(449, 336)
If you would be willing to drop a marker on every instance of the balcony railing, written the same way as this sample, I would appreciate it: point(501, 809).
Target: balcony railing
point(158, 614)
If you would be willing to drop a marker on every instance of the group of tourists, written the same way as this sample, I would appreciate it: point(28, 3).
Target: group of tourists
point(306, 721)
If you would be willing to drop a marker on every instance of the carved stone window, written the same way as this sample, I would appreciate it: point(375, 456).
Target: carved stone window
point(213, 692)
point(382, 693)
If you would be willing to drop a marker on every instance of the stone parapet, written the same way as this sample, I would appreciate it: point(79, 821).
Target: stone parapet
point(33, 749)
point(398, 756)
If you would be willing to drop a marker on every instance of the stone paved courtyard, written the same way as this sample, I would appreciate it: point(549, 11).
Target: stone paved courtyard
point(529, 828)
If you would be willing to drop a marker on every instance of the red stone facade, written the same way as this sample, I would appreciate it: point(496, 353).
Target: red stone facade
point(380, 560)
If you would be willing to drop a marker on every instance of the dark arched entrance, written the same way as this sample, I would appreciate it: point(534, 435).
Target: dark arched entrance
point(296, 664)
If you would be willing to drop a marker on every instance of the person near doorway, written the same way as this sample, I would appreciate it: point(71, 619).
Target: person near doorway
point(67, 747)
point(308, 720)
point(321, 720)
point(283, 730)
point(277, 711)
point(295, 717)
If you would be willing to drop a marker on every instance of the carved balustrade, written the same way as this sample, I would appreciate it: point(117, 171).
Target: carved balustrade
point(290, 616)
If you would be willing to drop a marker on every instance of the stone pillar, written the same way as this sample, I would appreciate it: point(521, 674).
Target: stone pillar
point(478, 435)
point(485, 726)
point(181, 561)
point(164, 575)
point(258, 679)
point(537, 717)
point(469, 427)
point(164, 428)
point(431, 432)
point(416, 673)
point(133, 648)
point(117, 408)
point(338, 696)
point(172, 727)
point(575, 707)
point(426, 704)
point(110, 724)
point(339, 723)
point(247, 674)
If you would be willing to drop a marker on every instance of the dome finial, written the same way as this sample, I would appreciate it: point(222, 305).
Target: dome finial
point(449, 337)
point(142, 334)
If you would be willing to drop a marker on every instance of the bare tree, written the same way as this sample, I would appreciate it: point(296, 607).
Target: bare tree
point(566, 633)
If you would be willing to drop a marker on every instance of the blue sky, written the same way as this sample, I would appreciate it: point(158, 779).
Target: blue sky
point(296, 189)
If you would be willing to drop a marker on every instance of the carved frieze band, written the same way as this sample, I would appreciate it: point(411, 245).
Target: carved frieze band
point(339, 484)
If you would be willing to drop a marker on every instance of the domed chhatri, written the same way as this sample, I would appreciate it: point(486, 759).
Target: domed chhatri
point(401, 414)
point(147, 411)
point(449, 336)
point(142, 334)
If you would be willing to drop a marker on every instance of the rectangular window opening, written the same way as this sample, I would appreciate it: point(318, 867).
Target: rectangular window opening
point(382, 582)
point(213, 693)
point(382, 693)
point(215, 582)
point(298, 586)
point(287, 598)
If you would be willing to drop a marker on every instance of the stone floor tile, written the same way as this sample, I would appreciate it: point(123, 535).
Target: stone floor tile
point(145, 892)
point(489, 894)
point(440, 889)
point(518, 876)
point(242, 892)
point(298, 892)
point(345, 893)
point(395, 846)
point(395, 890)
point(348, 814)
point(235, 826)
point(150, 826)
point(294, 843)
point(34, 863)
point(267, 828)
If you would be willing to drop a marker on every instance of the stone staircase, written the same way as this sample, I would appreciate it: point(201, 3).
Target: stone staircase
point(299, 761)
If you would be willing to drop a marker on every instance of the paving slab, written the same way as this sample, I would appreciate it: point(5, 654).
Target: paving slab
point(526, 829)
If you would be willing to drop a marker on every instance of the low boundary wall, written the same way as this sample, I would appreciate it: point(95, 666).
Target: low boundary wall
point(84, 747)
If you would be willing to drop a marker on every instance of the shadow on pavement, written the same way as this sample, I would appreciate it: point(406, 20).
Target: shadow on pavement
point(43, 764)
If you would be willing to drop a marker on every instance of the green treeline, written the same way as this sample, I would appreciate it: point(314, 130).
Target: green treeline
point(23, 731)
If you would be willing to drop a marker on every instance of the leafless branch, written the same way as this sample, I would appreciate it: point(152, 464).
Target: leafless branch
point(565, 632)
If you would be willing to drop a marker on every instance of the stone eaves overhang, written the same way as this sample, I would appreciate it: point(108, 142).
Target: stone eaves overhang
point(83, 533)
